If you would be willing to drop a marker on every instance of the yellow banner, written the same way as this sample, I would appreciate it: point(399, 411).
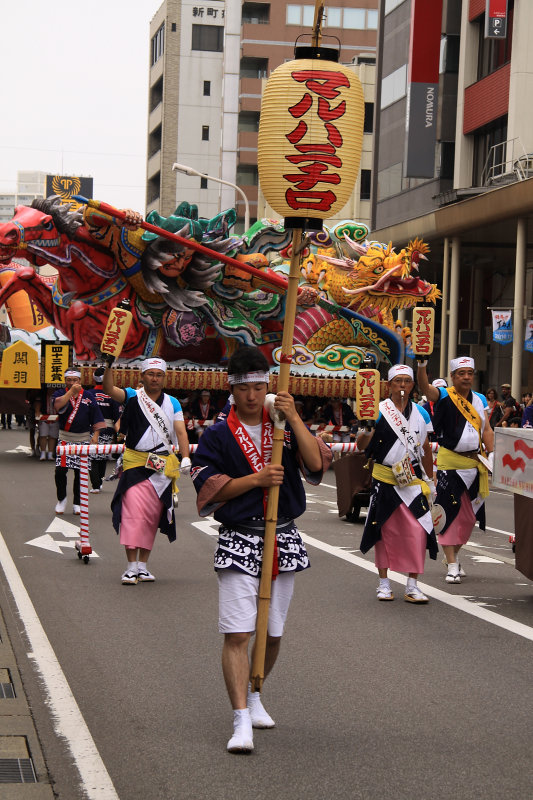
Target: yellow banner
point(56, 361)
point(20, 367)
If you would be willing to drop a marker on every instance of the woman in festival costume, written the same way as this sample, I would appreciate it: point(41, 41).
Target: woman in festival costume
point(399, 524)
point(143, 501)
point(232, 474)
point(462, 424)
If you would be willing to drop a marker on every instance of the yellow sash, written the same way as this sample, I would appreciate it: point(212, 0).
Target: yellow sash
point(448, 459)
point(466, 408)
point(137, 458)
point(382, 473)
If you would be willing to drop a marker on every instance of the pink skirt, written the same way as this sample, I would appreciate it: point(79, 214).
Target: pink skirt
point(460, 530)
point(141, 512)
point(403, 543)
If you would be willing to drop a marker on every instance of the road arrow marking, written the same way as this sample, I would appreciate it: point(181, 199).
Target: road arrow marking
point(59, 525)
point(206, 526)
point(47, 543)
point(21, 448)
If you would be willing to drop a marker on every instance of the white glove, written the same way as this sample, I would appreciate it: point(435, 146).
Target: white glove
point(490, 459)
point(432, 489)
point(185, 466)
point(277, 418)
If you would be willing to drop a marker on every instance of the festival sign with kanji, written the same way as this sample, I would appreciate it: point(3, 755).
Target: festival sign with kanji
point(20, 367)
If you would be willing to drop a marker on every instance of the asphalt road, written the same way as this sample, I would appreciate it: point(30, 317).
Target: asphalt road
point(372, 700)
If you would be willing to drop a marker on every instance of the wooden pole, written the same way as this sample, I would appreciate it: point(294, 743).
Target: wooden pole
point(265, 585)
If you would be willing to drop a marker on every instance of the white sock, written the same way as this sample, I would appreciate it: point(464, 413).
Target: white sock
point(453, 569)
point(253, 697)
point(241, 716)
point(133, 565)
point(411, 582)
point(141, 566)
point(384, 583)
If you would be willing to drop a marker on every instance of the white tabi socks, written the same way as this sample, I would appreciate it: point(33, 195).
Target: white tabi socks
point(260, 717)
point(242, 740)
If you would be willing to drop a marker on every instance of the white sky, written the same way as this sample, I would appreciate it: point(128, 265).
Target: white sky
point(74, 79)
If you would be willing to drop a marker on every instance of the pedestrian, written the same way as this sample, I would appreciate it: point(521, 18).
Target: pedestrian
point(232, 474)
point(111, 413)
point(494, 408)
point(527, 416)
point(202, 410)
point(143, 502)
point(80, 420)
point(510, 408)
point(48, 426)
point(6, 419)
point(399, 525)
point(462, 424)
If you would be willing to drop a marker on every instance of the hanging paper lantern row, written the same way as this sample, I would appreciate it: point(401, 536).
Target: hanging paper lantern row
point(310, 139)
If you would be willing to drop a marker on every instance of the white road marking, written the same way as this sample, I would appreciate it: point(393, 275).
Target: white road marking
point(62, 526)
point(207, 525)
point(65, 527)
point(485, 560)
point(456, 601)
point(66, 715)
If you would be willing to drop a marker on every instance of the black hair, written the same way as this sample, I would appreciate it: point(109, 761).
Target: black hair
point(247, 359)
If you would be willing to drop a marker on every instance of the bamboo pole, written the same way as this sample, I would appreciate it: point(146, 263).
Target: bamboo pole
point(271, 518)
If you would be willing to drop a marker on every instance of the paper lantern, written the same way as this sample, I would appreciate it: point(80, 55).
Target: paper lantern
point(423, 331)
point(367, 390)
point(310, 137)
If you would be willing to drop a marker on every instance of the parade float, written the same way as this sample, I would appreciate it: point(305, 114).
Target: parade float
point(196, 291)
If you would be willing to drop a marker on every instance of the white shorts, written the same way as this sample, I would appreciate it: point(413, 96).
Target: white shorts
point(50, 429)
point(237, 602)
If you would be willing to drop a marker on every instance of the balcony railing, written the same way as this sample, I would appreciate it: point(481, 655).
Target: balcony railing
point(507, 162)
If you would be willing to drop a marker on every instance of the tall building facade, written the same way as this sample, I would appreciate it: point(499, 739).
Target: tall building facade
point(474, 205)
point(30, 186)
point(208, 64)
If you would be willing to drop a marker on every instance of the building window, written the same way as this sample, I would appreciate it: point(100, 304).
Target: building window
point(368, 126)
point(352, 18)
point(207, 88)
point(254, 68)
point(173, 27)
point(447, 157)
point(494, 53)
point(256, 13)
point(208, 37)
point(249, 121)
point(158, 44)
point(205, 133)
point(154, 141)
point(394, 86)
point(449, 54)
point(490, 152)
point(366, 181)
point(156, 94)
point(152, 191)
point(247, 175)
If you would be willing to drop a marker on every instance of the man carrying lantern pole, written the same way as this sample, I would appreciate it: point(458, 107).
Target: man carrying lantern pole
point(234, 470)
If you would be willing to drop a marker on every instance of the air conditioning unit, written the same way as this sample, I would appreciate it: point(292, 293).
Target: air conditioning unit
point(467, 337)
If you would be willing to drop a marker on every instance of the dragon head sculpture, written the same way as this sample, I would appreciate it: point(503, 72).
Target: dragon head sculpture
point(379, 278)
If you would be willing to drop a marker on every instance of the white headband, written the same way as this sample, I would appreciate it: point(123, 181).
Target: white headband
point(98, 378)
point(72, 373)
point(154, 363)
point(249, 377)
point(439, 382)
point(464, 362)
point(400, 369)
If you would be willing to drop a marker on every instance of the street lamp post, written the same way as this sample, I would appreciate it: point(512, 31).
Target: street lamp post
point(191, 171)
